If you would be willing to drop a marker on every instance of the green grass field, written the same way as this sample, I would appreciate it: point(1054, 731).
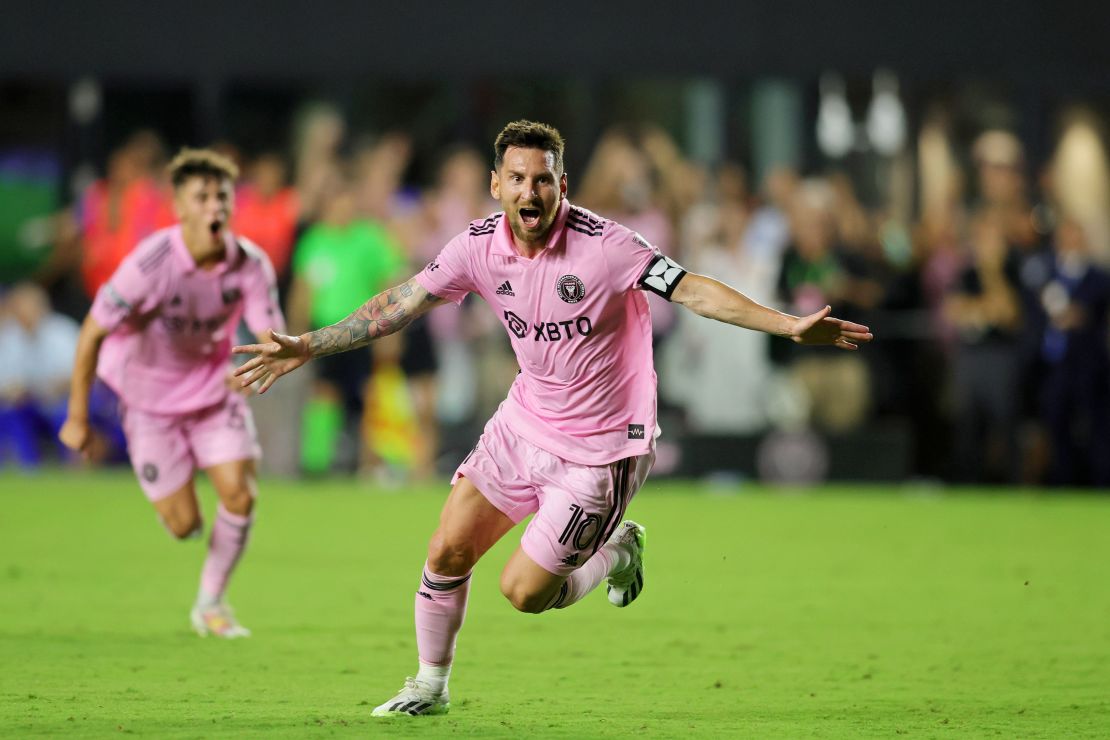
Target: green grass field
point(830, 613)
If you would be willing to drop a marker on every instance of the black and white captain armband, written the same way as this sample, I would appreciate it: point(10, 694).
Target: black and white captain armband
point(662, 276)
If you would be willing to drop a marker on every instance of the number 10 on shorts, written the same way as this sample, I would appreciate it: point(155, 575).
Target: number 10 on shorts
point(582, 528)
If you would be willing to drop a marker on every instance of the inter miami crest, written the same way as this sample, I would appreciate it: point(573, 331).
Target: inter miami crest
point(570, 289)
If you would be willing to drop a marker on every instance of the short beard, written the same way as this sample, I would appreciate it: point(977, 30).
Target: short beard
point(518, 227)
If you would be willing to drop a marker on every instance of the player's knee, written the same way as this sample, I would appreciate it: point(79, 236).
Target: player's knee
point(238, 501)
point(523, 599)
point(183, 526)
point(450, 558)
point(527, 603)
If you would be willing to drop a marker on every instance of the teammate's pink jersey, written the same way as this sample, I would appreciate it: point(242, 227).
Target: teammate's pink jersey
point(579, 325)
point(172, 323)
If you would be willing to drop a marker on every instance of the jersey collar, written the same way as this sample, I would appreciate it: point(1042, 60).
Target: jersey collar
point(188, 264)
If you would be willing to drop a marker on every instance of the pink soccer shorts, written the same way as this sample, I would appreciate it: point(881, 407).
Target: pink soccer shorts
point(166, 450)
point(576, 507)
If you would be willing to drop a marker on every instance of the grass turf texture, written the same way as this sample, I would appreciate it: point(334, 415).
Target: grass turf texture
point(833, 613)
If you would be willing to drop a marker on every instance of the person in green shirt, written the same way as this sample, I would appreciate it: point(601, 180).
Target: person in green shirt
point(336, 263)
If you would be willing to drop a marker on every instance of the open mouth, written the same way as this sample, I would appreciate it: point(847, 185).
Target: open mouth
point(530, 217)
point(215, 227)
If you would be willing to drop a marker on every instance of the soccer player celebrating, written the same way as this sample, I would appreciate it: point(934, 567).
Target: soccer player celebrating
point(159, 334)
point(575, 438)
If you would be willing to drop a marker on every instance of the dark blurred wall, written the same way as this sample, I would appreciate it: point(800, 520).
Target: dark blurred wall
point(1024, 40)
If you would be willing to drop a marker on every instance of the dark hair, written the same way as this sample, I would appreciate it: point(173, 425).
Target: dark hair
point(200, 163)
point(529, 135)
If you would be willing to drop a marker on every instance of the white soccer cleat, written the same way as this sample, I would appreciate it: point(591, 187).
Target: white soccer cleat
point(626, 584)
point(218, 620)
point(415, 699)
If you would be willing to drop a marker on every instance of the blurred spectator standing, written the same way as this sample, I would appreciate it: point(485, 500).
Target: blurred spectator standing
point(380, 163)
point(400, 426)
point(267, 209)
point(337, 265)
point(1000, 168)
point(813, 275)
point(119, 210)
point(1075, 386)
point(873, 249)
point(769, 229)
point(473, 363)
point(938, 246)
point(622, 182)
point(985, 308)
point(938, 258)
point(719, 376)
point(318, 135)
point(37, 346)
point(1003, 195)
point(464, 338)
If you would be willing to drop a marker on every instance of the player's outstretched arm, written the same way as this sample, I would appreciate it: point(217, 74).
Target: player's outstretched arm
point(715, 300)
point(75, 432)
point(384, 314)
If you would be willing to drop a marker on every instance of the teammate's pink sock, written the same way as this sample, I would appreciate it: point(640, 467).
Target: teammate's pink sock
point(440, 608)
point(606, 561)
point(229, 539)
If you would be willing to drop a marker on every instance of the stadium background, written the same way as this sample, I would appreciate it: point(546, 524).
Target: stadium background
point(689, 126)
point(897, 606)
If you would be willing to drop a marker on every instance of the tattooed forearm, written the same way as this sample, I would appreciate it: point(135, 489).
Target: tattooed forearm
point(384, 314)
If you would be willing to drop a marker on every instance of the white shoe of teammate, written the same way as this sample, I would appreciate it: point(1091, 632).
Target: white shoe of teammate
point(627, 583)
point(414, 699)
point(218, 620)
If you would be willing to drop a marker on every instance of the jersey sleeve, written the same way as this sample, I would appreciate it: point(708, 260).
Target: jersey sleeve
point(261, 309)
point(449, 275)
point(634, 263)
point(131, 291)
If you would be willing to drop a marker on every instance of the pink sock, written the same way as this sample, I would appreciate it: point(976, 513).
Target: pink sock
point(589, 576)
point(225, 547)
point(440, 608)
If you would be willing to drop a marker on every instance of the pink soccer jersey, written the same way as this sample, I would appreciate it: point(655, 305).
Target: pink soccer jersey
point(579, 325)
point(172, 323)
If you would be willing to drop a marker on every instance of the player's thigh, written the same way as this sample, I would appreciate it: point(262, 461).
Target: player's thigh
point(235, 483)
point(581, 507)
point(158, 448)
point(224, 442)
point(469, 525)
point(179, 511)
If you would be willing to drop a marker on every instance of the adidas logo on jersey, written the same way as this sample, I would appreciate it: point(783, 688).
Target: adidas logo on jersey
point(571, 559)
point(505, 289)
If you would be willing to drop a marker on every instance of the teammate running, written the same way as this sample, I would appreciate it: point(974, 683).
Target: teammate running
point(575, 438)
point(159, 334)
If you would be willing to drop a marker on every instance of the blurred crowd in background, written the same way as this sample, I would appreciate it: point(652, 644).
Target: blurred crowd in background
point(981, 268)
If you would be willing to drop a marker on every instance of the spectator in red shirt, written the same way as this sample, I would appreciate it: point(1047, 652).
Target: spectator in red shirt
point(122, 208)
point(267, 208)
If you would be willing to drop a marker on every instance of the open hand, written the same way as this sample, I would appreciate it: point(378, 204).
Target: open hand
point(273, 359)
point(820, 328)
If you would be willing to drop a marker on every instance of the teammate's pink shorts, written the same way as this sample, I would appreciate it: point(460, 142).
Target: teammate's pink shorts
point(166, 450)
point(576, 507)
